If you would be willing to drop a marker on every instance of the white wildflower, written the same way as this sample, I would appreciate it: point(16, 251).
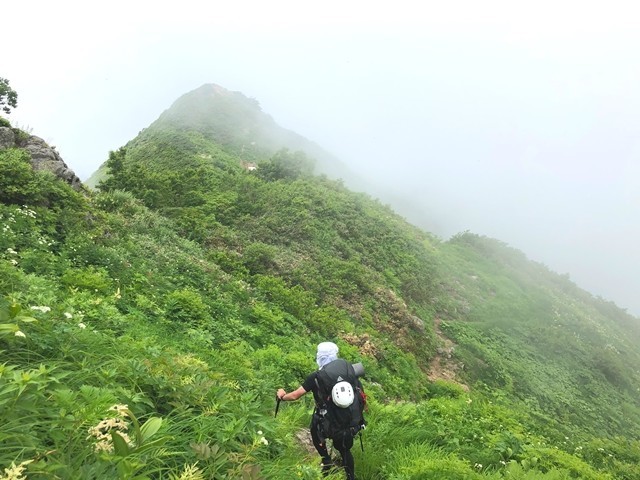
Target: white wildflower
point(102, 432)
point(259, 432)
point(14, 262)
point(42, 309)
point(120, 408)
point(21, 334)
point(11, 251)
point(190, 472)
point(26, 211)
point(104, 445)
point(264, 441)
point(68, 315)
point(82, 326)
point(15, 472)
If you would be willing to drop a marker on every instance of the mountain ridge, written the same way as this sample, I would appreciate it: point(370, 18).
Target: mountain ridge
point(240, 126)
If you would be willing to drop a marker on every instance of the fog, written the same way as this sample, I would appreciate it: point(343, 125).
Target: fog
point(520, 123)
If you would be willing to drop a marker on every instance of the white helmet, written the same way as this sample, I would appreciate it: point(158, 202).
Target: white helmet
point(342, 394)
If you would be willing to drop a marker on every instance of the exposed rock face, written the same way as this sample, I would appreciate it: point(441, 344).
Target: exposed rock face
point(7, 138)
point(43, 157)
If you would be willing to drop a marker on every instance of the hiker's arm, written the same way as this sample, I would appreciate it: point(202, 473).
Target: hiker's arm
point(291, 396)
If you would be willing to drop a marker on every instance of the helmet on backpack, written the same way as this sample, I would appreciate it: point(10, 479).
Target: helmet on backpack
point(342, 394)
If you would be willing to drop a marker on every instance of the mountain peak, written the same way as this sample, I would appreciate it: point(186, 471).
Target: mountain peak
point(213, 88)
point(212, 108)
point(238, 124)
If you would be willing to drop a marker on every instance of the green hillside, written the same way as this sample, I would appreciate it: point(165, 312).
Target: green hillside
point(238, 124)
point(190, 286)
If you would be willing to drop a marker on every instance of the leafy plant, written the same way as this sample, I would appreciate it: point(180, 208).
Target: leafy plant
point(8, 96)
point(11, 311)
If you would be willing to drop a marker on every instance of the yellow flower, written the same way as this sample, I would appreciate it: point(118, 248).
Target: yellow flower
point(43, 309)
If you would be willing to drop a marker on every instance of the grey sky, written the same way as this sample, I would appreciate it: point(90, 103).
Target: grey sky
point(517, 122)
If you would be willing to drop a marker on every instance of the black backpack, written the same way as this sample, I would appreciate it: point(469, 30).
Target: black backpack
point(338, 420)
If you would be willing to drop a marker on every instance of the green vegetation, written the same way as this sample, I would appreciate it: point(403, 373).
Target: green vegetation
point(8, 96)
point(144, 328)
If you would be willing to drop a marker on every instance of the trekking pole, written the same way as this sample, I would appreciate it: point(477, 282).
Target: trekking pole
point(278, 400)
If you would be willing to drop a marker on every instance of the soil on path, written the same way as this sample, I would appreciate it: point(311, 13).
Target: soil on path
point(443, 366)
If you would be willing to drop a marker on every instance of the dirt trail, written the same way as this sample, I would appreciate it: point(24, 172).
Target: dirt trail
point(304, 439)
point(443, 366)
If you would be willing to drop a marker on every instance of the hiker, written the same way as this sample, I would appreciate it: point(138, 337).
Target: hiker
point(328, 420)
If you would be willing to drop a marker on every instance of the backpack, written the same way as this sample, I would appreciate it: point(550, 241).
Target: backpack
point(342, 399)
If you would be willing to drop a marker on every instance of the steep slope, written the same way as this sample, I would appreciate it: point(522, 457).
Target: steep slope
point(525, 330)
point(518, 327)
point(191, 286)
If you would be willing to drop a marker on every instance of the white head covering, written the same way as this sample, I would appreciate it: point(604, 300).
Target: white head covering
point(327, 352)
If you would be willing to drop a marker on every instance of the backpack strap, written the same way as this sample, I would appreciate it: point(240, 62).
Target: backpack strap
point(320, 394)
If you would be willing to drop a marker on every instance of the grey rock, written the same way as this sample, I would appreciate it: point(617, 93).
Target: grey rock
point(416, 323)
point(43, 157)
point(7, 138)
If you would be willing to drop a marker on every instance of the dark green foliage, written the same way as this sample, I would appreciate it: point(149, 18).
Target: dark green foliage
point(259, 257)
point(17, 180)
point(285, 166)
point(8, 96)
point(187, 307)
point(115, 165)
point(91, 278)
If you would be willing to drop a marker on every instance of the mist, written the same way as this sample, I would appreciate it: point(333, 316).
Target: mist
point(519, 123)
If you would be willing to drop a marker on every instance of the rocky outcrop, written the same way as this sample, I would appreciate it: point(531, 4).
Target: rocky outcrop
point(43, 157)
point(7, 138)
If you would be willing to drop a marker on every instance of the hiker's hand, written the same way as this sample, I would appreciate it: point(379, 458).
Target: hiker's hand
point(281, 393)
